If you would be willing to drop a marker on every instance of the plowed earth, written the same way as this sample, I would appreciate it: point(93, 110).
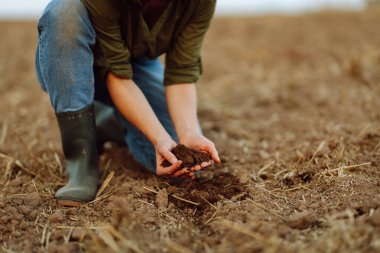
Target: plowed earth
point(293, 105)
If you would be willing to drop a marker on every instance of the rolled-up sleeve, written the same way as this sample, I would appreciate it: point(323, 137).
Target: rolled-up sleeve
point(183, 60)
point(112, 54)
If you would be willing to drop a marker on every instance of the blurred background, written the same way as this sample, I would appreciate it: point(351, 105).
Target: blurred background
point(31, 9)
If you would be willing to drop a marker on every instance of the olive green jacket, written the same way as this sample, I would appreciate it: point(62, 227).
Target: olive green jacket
point(123, 35)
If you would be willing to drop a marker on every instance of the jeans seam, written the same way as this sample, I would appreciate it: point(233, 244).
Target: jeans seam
point(40, 58)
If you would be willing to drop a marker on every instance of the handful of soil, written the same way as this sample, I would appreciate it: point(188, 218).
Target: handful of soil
point(188, 156)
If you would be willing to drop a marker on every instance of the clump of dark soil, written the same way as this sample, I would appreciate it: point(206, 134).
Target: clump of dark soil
point(206, 191)
point(188, 156)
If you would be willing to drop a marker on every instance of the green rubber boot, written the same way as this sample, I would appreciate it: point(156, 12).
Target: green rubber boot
point(82, 160)
point(108, 127)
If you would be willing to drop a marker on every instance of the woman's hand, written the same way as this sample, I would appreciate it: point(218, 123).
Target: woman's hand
point(199, 142)
point(163, 152)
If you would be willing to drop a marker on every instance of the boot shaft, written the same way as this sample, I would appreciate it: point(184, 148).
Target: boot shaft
point(78, 137)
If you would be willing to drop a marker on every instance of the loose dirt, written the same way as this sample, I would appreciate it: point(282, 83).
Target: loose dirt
point(302, 220)
point(189, 157)
point(292, 104)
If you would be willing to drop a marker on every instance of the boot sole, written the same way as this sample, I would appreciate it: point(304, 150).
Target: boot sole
point(70, 203)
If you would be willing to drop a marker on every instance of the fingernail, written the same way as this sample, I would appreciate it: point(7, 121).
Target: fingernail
point(174, 160)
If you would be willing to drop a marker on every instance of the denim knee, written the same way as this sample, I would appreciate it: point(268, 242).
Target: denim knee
point(65, 17)
point(64, 58)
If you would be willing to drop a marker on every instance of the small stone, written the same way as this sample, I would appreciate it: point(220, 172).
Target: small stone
point(302, 220)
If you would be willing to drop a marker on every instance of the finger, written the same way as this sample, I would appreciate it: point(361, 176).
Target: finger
point(214, 153)
point(160, 159)
point(189, 176)
point(206, 164)
point(169, 170)
point(168, 155)
point(198, 167)
point(195, 168)
point(181, 172)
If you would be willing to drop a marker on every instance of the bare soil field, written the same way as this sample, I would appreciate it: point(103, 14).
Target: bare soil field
point(293, 104)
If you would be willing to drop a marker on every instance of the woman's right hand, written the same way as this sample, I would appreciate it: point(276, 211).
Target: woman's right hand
point(163, 152)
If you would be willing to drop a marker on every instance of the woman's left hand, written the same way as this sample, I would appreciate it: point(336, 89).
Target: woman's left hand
point(200, 143)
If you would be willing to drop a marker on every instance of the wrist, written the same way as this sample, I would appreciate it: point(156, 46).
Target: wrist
point(160, 138)
point(185, 133)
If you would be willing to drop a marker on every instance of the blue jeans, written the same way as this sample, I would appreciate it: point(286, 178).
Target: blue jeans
point(64, 63)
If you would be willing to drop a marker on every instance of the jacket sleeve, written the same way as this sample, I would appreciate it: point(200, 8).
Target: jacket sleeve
point(114, 55)
point(183, 60)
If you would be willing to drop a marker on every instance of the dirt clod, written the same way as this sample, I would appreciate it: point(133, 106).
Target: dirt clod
point(26, 209)
point(189, 157)
point(57, 216)
point(302, 220)
point(33, 200)
point(162, 200)
point(206, 191)
point(24, 225)
point(78, 234)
